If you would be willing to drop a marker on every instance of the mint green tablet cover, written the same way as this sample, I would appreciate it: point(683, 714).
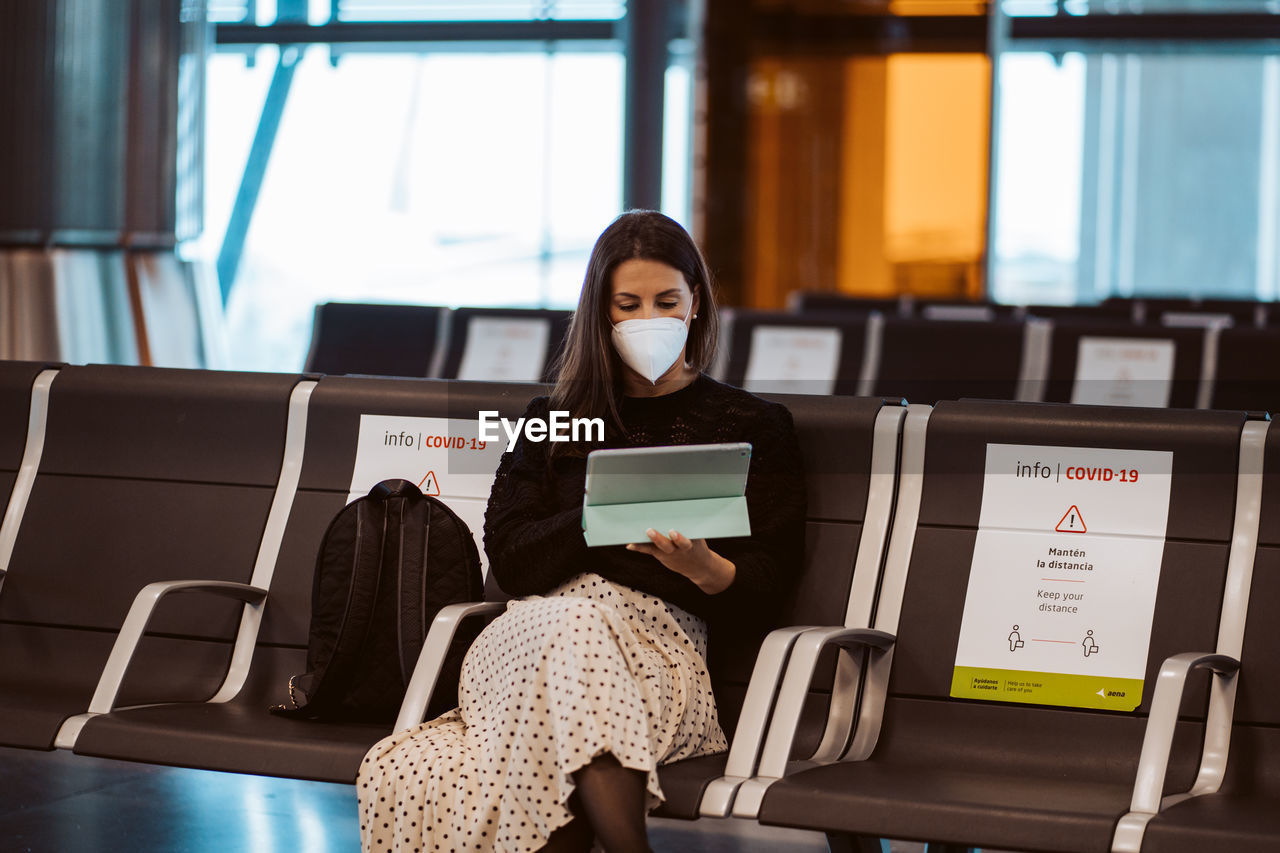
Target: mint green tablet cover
point(702, 518)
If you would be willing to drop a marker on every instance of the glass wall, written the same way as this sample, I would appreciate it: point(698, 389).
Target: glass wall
point(463, 173)
point(1135, 166)
point(447, 179)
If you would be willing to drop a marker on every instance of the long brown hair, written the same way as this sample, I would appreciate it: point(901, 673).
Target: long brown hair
point(588, 370)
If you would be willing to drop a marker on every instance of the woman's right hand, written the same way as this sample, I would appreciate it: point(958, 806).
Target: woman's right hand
point(692, 558)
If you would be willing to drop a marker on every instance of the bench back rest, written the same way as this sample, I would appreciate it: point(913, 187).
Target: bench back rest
point(1198, 535)
point(329, 463)
point(1246, 376)
point(380, 340)
point(147, 474)
point(930, 360)
point(749, 364)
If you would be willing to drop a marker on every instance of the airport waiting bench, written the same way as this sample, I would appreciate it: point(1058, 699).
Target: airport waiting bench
point(144, 474)
point(482, 344)
point(237, 476)
point(241, 736)
point(923, 763)
point(926, 359)
point(878, 354)
point(1201, 358)
point(220, 446)
point(1129, 310)
point(237, 732)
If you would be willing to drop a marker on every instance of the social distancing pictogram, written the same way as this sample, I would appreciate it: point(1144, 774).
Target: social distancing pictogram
point(1072, 522)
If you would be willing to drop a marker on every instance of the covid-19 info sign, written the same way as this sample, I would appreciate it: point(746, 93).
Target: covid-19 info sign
point(1063, 583)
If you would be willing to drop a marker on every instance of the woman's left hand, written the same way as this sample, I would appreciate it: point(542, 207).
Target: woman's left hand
point(689, 557)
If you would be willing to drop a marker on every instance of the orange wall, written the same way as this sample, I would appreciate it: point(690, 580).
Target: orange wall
point(936, 176)
point(914, 176)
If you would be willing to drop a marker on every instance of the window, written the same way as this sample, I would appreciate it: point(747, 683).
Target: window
point(1142, 167)
point(444, 172)
point(448, 178)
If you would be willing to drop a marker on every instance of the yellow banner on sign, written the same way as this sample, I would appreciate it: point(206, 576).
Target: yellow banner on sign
point(1046, 688)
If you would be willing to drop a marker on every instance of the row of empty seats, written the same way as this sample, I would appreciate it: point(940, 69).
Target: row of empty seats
point(162, 526)
point(866, 353)
point(1158, 311)
point(488, 344)
point(1035, 359)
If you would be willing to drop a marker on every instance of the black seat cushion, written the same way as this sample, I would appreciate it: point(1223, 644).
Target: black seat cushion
point(50, 674)
point(239, 736)
point(962, 785)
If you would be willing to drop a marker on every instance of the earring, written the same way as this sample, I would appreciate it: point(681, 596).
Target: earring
point(695, 316)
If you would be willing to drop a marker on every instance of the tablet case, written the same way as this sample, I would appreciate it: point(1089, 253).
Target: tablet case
point(698, 490)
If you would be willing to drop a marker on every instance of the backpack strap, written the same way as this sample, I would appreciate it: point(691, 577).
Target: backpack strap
point(411, 604)
point(358, 612)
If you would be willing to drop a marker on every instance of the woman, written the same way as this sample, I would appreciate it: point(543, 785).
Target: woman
point(571, 699)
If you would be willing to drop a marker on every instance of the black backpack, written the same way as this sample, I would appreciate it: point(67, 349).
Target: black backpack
point(388, 562)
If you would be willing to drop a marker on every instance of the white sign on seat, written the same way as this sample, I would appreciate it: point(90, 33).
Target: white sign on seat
point(1124, 372)
point(1062, 587)
point(793, 359)
point(505, 349)
point(442, 456)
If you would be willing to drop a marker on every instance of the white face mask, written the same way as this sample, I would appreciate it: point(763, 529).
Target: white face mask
point(650, 347)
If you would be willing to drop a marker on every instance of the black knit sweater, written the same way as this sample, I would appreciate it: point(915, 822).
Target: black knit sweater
point(533, 524)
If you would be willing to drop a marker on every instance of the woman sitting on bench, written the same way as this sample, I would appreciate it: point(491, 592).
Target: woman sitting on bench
point(597, 674)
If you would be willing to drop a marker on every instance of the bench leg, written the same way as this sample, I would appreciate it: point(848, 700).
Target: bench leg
point(841, 843)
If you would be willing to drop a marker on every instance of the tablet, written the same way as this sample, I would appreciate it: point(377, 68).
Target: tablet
point(697, 489)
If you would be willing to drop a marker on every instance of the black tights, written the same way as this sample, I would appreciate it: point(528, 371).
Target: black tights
point(610, 808)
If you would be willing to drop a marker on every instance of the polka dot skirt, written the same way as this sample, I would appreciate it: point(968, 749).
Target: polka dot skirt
point(555, 681)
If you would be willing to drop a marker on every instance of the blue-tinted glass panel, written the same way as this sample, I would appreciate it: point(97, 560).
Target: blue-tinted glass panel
point(228, 11)
point(320, 11)
point(445, 178)
point(1136, 174)
point(1037, 192)
point(477, 10)
point(1038, 8)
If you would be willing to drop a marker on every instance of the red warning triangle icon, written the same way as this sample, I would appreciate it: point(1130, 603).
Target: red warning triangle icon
point(1072, 522)
point(430, 485)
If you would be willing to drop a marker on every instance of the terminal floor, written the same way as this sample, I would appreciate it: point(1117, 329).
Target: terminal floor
point(59, 802)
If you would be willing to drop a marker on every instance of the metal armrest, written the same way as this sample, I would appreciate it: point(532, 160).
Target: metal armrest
point(795, 689)
point(431, 659)
point(135, 625)
point(37, 420)
point(1157, 742)
point(756, 708)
